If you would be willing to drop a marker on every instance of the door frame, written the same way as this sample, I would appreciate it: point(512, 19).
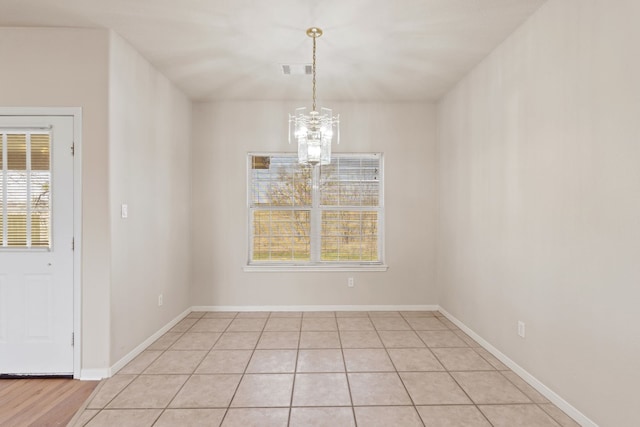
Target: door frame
point(76, 113)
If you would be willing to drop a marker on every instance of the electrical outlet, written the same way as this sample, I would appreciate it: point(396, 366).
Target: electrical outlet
point(521, 328)
point(159, 300)
point(350, 282)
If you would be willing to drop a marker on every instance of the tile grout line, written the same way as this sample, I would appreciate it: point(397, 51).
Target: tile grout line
point(295, 372)
point(494, 369)
point(415, 407)
point(208, 352)
point(386, 349)
point(139, 374)
point(461, 388)
point(346, 373)
point(182, 334)
point(194, 370)
point(228, 408)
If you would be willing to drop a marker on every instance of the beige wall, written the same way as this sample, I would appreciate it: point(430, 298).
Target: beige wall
point(69, 68)
point(223, 135)
point(135, 150)
point(149, 152)
point(539, 202)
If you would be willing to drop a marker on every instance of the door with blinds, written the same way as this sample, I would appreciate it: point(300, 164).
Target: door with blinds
point(36, 245)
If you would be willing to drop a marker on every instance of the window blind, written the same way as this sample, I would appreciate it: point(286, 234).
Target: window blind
point(350, 198)
point(351, 181)
point(330, 214)
point(280, 202)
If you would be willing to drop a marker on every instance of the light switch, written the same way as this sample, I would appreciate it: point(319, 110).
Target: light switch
point(124, 211)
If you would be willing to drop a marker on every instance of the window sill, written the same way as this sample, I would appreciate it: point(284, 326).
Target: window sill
point(290, 268)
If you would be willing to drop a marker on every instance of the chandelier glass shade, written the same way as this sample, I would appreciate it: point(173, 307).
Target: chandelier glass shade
point(314, 130)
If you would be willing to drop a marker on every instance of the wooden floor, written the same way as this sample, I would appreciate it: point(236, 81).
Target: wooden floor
point(41, 402)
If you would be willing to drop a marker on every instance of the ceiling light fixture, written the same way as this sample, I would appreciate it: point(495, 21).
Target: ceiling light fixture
point(314, 131)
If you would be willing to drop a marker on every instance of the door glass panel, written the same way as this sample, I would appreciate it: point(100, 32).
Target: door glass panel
point(25, 183)
point(40, 194)
point(16, 190)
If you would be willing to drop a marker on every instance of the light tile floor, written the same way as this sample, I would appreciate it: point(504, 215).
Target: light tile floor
point(317, 369)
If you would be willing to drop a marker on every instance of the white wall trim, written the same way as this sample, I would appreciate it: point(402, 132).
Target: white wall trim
point(97, 374)
point(146, 343)
point(93, 374)
point(261, 268)
point(316, 308)
point(77, 241)
point(530, 379)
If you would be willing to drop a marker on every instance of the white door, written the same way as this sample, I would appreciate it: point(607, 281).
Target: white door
point(36, 252)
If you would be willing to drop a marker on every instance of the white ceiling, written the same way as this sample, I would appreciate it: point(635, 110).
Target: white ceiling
point(371, 50)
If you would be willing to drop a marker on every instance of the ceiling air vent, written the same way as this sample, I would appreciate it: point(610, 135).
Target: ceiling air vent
point(297, 69)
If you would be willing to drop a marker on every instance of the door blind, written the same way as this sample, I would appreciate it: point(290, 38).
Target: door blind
point(25, 183)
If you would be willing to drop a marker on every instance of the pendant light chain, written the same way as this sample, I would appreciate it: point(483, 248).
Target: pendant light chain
point(314, 130)
point(314, 73)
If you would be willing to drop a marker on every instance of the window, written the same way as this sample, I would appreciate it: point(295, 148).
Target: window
point(328, 216)
point(25, 179)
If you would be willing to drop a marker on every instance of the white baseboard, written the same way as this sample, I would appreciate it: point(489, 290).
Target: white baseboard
point(146, 343)
point(315, 308)
point(533, 381)
point(93, 374)
point(98, 374)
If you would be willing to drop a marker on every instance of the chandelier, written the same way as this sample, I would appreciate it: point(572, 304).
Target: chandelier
point(314, 131)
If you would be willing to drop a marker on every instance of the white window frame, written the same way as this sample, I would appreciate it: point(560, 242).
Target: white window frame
point(315, 264)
